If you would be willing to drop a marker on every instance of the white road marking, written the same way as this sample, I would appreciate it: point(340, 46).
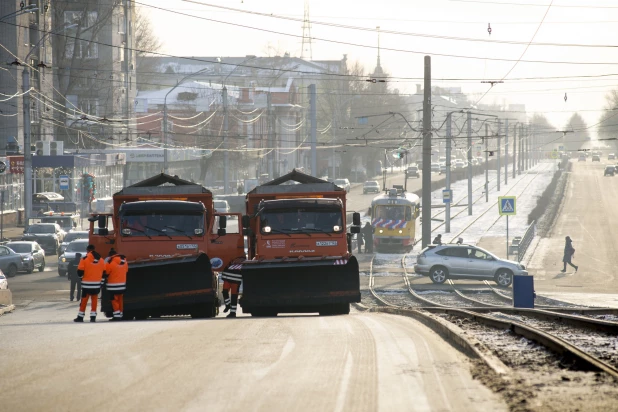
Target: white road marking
point(345, 383)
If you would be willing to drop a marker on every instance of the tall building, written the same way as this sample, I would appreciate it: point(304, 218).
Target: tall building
point(94, 77)
point(23, 30)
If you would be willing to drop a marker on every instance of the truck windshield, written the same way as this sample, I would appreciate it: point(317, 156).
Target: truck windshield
point(325, 220)
point(167, 223)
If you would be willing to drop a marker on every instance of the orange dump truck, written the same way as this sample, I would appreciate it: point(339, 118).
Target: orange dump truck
point(173, 240)
point(299, 254)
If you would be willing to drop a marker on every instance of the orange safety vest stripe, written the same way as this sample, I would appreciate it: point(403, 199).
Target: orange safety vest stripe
point(117, 269)
point(93, 268)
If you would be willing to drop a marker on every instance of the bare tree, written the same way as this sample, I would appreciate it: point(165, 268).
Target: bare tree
point(146, 43)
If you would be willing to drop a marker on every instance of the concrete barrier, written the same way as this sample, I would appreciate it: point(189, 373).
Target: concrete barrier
point(6, 297)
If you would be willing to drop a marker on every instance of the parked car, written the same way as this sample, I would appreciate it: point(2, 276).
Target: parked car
point(609, 170)
point(611, 156)
point(474, 162)
point(371, 186)
point(344, 184)
point(48, 235)
point(10, 262)
point(4, 284)
point(71, 236)
point(442, 168)
point(221, 206)
point(413, 171)
point(582, 157)
point(596, 158)
point(32, 255)
point(466, 262)
point(76, 246)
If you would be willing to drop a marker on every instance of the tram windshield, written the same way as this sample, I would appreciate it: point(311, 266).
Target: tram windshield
point(393, 212)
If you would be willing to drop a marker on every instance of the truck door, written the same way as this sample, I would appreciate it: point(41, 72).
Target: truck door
point(224, 249)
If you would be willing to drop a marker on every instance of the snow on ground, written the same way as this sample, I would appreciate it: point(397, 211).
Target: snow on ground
point(526, 187)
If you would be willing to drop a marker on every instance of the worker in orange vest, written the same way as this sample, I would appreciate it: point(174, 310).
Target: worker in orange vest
point(231, 284)
point(90, 270)
point(115, 279)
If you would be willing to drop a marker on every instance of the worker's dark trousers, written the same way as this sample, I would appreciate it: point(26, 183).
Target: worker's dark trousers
point(75, 283)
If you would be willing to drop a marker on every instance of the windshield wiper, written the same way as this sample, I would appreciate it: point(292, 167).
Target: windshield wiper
point(317, 230)
point(179, 231)
point(280, 231)
point(158, 230)
point(139, 230)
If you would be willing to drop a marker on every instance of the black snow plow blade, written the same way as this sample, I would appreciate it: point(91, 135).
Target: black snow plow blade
point(183, 286)
point(316, 286)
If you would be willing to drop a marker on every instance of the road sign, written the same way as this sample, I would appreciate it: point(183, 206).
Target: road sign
point(506, 205)
point(555, 155)
point(561, 148)
point(447, 196)
point(63, 181)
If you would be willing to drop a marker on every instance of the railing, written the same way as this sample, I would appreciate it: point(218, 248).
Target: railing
point(525, 241)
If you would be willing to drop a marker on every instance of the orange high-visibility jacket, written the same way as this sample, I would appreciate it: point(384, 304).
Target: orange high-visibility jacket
point(116, 271)
point(90, 269)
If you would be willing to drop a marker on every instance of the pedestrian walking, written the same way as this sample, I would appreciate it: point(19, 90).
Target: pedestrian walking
point(76, 282)
point(231, 285)
point(115, 279)
point(368, 235)
point(437, 240)
point(359, 242)
point(569, 253)
point(90, 270)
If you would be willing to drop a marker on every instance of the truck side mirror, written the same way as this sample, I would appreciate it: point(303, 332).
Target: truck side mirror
point(246, 221)
point(355, 229)
point(356, 221)
point(102, 222)
point(221, 232)
point(222, 222)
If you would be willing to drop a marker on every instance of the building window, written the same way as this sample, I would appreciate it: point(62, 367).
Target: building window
point(84, 48)
point(90, 106)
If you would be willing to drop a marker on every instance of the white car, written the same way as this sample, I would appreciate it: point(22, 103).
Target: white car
point(4, 284)
point(221, 206)
point(344, 184)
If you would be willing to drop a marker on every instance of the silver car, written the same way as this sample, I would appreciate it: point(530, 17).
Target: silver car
point(466, 262)
point(10, 262)
point(32, 255)
point(76, 246)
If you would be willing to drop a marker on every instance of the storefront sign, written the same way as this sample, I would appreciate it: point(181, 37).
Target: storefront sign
point(16, 164)
point(145, 155)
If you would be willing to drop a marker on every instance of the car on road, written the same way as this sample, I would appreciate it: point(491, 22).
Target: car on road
point(582, 157)
point(458, 164)
point(442, 168)
point(609, 170)
point(48, 235)
point(344, 184)
point(435, 167)
point(371, 186)
point(71, 236)
point(413, 171)
point(10, 262)
point(76, 246)
point(451, 261)
point(4, 284)
point(221, 206)
point(611, 156)
point(474, 162)
point(596, 158)
point(32, 255)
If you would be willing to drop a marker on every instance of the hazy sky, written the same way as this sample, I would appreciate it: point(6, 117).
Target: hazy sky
point(587, 22)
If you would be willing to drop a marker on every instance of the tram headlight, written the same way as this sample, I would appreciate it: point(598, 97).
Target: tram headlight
point(381, 231)
point(400, 231)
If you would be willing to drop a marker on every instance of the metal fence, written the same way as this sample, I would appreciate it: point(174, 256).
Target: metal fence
point(525, 241)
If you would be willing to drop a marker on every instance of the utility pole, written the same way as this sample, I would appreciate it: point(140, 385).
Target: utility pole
point(514, 149)
point(426, 194)
point(128, 43)
point(498, 168)
point(226, 155)
point(27, 151)
point(469, 163)
point(486, 164)
point(334, 128)
point(270, 140)
point(521, 142)
point(314, 126)
point(506, 152)
point(447, 218)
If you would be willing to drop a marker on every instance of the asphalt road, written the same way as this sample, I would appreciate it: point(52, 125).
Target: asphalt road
point(590, 217)
point(359, 362)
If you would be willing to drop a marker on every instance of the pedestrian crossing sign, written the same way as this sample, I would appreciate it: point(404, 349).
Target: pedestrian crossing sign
point(506, 205)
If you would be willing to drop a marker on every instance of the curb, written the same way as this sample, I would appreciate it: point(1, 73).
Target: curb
point(6, 309)
point(454, 335)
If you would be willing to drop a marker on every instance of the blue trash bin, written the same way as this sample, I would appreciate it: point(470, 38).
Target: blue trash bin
point(523, 291)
